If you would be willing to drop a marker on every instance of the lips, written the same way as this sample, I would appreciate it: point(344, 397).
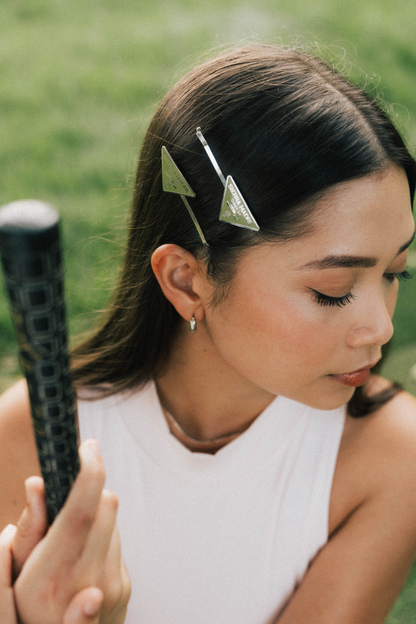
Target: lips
point(357, 378)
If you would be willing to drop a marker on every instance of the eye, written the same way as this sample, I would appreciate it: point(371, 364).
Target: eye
point(326, 300)
point(404, 275)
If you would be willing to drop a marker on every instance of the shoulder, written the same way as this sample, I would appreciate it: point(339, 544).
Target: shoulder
point(377, 456)
point(357, 575)
point(18, 458)
point(391, 429)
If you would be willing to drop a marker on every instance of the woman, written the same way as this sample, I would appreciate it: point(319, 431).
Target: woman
point(263, 474)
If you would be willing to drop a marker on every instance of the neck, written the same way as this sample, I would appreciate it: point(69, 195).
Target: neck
point(201, 446)
point(206, 396)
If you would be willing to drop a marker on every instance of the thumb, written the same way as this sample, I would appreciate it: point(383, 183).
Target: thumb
point(85, 607)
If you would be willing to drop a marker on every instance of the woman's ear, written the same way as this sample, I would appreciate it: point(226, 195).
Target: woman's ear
point(178, 272)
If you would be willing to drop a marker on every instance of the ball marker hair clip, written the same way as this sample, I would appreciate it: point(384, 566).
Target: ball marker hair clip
point(234, 209)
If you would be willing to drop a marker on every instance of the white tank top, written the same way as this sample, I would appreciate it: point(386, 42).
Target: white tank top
point(215, 539)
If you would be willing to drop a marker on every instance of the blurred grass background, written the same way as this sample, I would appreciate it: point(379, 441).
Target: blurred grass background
point(80, 81)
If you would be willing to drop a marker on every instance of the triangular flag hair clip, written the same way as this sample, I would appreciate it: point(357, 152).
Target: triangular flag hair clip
point(172, 179)
point(234, 209)
point(174, 182)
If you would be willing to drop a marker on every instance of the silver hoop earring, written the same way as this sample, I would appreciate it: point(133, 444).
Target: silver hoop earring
point(192, 325)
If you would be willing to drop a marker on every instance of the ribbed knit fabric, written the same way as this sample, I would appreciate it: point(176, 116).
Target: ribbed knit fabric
point(216, 539)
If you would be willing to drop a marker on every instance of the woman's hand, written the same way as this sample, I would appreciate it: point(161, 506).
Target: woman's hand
point(83, 609)
point(78, 560)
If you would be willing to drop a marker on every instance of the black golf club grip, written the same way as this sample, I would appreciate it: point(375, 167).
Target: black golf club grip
point(32, 266)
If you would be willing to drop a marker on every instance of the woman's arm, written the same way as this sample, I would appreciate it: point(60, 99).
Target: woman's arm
point(18, 457)
point(357, 576)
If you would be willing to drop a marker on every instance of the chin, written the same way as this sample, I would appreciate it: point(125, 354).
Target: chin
point(325, 400)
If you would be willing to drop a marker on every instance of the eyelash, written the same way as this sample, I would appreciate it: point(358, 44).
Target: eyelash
point(405, 275)
point(326, 300)
point(340, 302)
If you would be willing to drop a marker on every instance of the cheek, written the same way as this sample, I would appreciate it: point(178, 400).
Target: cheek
point(303, 334)
point(291, 325)
point(281, 343)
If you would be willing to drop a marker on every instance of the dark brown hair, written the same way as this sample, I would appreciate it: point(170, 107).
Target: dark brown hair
point(288, 127)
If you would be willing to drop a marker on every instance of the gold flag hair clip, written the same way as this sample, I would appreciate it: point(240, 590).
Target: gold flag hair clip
point(174, 182)
point(234, 209)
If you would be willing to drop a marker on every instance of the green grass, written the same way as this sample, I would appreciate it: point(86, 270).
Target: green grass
point(80, 81)
point(404, 610)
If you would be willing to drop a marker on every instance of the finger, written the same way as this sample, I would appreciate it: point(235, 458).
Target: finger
point(98, 544)
point(113, 577)
point(7, 608)
point(115, 568)
point(85, 607)
point(69, 532)
point(32, 524)
point(113, 560)
point(6, 539)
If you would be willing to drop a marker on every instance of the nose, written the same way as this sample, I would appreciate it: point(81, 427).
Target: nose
point(374, 327)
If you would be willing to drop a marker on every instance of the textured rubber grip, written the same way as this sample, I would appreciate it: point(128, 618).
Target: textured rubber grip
point(32, 266)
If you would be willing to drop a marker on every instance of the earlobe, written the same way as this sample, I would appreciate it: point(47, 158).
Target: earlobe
point(175, 269)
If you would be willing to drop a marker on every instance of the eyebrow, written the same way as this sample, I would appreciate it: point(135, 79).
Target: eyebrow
point(349, 262)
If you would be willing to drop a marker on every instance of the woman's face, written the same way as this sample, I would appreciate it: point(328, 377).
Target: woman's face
point(304, 314)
